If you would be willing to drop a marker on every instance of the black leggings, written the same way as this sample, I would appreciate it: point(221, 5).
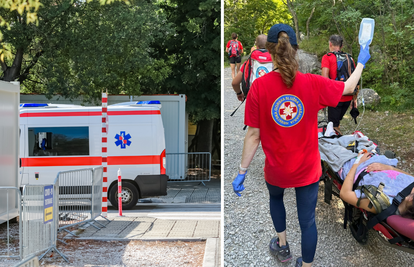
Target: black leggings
point(306, 198)
point(336, 114)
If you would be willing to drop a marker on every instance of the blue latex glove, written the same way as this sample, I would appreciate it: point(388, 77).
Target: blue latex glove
point(238, 183)
point(364, 55)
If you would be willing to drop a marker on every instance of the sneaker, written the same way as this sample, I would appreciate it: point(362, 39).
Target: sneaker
point(298, 262)
point(282, 253)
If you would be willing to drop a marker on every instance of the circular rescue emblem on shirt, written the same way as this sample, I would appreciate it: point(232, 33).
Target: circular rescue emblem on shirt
point(287, 110)
point(261, 71)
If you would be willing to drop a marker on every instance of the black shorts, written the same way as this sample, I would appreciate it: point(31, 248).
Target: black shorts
point(234, 60)
point(337, 113)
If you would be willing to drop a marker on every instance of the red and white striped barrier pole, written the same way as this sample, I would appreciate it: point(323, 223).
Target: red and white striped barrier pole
point(119, 192)
point(104, 154)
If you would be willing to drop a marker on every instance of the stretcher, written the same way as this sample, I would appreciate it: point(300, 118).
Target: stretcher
point(395, 231)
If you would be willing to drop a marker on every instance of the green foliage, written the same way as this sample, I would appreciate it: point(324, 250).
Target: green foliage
point(251, 18)
point(84, 48)
point(390, 70)
point(195, 47)
point(317, 45)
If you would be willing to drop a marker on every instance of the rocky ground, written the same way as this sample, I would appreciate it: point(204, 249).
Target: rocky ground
point(111, 253)
point(247, 224)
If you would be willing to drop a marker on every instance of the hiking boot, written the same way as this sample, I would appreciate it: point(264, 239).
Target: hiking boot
point(299, 262)
point(282, 253)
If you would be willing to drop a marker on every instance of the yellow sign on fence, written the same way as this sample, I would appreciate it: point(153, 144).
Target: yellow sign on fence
point(48, 204)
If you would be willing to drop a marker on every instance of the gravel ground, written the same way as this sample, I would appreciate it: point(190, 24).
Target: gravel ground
point(248, 227)
point(112, 253)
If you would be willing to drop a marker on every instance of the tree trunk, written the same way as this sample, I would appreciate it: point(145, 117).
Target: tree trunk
point(11, 73)
point(308, 21)
point(295, 18)
point(205, 135)
point(216, 140)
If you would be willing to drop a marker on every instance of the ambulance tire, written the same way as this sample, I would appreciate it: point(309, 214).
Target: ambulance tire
point(129, 190)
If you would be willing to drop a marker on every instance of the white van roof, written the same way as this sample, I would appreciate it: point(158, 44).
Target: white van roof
point(144, 105)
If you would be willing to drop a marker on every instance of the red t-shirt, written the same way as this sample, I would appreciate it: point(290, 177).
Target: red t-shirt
point(330, 63)
point(288, 123)
point(240, 46)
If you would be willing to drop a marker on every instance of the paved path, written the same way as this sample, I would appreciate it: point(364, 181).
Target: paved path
point(190, 212)
point(149, 228)
point(179, 211)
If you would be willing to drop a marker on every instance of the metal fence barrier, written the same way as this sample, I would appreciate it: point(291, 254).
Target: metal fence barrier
point(11, 197)
point(38, 220)
point(80, 197)
point(195, 166)
point(32, 261)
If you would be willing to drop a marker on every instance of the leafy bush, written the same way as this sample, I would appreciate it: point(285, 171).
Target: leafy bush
point(314, 45)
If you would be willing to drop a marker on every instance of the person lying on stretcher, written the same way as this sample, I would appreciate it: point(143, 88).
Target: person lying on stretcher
point(394, 180)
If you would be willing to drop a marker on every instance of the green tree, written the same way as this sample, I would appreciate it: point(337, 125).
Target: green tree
point(26, 11)
point(389, 71)
point(196, 68)
point(83, 48)
point(251, 18)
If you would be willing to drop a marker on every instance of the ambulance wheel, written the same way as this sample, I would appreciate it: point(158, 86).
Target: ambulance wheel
point(129, 196)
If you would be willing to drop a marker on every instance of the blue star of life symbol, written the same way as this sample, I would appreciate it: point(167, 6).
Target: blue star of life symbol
point(122, 140)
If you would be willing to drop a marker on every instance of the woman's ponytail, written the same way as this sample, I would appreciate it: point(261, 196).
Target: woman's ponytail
point(284, 58)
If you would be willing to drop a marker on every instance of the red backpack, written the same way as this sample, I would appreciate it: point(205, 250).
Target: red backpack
point(259, 63)
point(234, 49)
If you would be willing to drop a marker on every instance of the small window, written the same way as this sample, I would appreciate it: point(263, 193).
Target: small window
point(58, 141)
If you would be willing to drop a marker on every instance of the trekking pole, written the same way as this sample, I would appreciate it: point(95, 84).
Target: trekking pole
point(237, 107)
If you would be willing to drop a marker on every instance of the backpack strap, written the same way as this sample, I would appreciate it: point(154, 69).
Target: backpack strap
point(249, 71)
point(349, 207)
point(245, 87)
point(349, 72)
point(392, 208)
point(360, 176)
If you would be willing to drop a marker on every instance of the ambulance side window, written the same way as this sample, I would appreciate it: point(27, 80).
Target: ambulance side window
point(58, 141)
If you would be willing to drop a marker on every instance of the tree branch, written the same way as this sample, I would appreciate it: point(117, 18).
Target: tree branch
point(33, 81)
point(308, 21)
point(26, 72)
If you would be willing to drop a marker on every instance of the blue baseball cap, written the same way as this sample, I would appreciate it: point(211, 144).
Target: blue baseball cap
point(273, 34)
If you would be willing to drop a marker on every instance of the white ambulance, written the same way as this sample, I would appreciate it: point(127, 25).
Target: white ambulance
point(66, 137)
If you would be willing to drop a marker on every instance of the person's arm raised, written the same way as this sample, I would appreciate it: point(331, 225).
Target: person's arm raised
point(352, 82)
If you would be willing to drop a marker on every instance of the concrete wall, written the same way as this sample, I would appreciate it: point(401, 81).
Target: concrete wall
point(9, 147)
